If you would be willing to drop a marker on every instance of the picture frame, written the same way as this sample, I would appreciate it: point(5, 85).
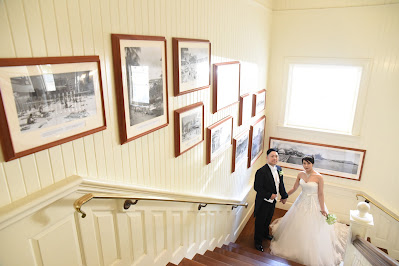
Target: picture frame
point(245, 112)
point(191, 65)
point(259, 102)
point(226, 84)
point(140, 69)
point(47, 101)
point(219, 138)
point(330, 160)
point(240, 149)
point(189, 127)
point(256, 140)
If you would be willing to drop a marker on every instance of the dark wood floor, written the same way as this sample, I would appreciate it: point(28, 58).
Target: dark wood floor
point(246, 237)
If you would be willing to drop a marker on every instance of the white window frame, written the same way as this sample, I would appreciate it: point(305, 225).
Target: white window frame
point(362, 93)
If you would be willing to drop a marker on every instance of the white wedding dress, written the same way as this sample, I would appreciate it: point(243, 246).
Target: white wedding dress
point(303, 234)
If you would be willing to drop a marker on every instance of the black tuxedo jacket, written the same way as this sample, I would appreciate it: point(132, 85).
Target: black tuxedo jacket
point(265, 186)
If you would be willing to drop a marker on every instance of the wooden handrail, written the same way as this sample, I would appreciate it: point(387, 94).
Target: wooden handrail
point(131, 200)
point(374, 255)
point(379, 206)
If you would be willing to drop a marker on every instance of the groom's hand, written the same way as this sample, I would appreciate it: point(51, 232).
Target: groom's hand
point(273, 196)
point(283, 201)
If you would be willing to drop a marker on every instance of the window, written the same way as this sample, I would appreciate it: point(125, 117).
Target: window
point(324, 97)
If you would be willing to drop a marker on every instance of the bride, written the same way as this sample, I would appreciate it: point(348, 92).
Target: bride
point(303, 235)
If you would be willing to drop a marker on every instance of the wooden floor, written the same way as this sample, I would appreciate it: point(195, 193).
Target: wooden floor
point(246, 237)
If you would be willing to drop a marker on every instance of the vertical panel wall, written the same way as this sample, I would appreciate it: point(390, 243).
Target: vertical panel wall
point(237, 30)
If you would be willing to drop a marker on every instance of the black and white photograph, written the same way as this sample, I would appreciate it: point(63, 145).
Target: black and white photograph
point(189, 127)
point(141, 84)
point(219, 137)
point(329, 160)
point(259, 101)
point(49, 101)
point(191, 59)
point(257, 135)
point(240, 149)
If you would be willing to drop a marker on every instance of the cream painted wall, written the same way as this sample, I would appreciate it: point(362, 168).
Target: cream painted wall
point(370, 32)
point(237, 30)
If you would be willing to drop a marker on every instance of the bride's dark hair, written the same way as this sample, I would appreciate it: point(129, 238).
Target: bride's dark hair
point(308, 158)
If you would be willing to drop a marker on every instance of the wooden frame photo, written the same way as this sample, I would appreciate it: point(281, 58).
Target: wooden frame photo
point(240, 149)
point(48, 101)
point(329, 160)
point(219, 138)
point(256, 140)
point(141, 84)
point(191, 65)
point(226, 84)
point(189, 127)
point(259, 102)
point(245, 109)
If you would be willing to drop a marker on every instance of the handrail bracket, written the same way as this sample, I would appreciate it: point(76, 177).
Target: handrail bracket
point(129, 203)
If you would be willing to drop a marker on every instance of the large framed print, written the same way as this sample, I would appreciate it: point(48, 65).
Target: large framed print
point(329, 160)
point(245, 109)
point(240, 149)
point(259, 102)
point(256, 140)
point(189, 127)
point(226, 84)
point(219, 138)
point(48, 101)
point(191, 65)
point(141, 84)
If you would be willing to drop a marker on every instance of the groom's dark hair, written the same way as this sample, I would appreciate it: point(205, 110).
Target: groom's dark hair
point(308, 158)
point(270, 150)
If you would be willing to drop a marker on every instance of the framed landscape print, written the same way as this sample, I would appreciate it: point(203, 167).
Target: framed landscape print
point(226, 84)
point(141, 84)
point(219, 137)
point(189, 127)
point(256, 140)
point(259, 102)
point(245, 109)
point(328, 159)
point(191, 65)
point(240, 149)
point(48, 101)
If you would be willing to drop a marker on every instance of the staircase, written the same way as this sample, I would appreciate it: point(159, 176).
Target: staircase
point(235, 254)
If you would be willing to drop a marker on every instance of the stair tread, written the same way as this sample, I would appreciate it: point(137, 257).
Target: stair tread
point(240, 257)
point(264, 254)
point(265, 259)
point(225, 259)
point(208, 260)
point(187, 262)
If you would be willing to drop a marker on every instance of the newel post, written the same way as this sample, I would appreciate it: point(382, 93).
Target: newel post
point(360, 223)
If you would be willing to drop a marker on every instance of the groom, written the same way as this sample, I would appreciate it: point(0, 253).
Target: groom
point(268, 182)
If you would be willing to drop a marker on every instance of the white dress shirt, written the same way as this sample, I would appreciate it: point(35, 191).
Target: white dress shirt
point(276, 180)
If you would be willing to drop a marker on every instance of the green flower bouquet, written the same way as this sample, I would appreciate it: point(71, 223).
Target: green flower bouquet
point(331, 218)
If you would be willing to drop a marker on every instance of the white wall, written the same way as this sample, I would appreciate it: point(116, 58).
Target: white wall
point(237, 30)
point(333, 31)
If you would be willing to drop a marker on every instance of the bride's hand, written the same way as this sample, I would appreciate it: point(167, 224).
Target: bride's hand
point(324, 213)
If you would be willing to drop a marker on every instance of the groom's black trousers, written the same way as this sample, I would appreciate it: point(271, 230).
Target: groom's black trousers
point(263, 217)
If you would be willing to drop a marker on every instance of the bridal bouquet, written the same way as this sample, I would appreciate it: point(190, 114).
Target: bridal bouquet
point(331, 219)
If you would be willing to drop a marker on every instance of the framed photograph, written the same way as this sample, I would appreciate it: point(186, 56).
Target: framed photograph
point(256, 140)
point(191, 65)
point(240, 149)
point(48, 101)
point(328, 159)
point(245, 109)
point(141, 84)
point(259, 102)
point(219, 137)
point(189, 127)
point(226, 84)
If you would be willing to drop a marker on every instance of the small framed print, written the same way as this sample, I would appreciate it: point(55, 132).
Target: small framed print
point(48, 101)
point(256, 140)
point(245, 108)
point(141, 84)
point(259, 102)
point(219, 137)
point(240, 149)
point(226, 84)
point(191, 64)
point(189, 127)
